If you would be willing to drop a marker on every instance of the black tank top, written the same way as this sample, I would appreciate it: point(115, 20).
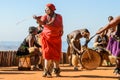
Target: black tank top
point(118, 30)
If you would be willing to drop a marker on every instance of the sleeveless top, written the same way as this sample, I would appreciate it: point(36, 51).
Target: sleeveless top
point(100, 39)
point(117, 34)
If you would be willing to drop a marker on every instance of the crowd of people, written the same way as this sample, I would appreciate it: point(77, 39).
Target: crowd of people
point(45, 42)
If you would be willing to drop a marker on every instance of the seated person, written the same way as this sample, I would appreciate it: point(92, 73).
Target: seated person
point(100, 45)
point(101, 40)
point(30, 46)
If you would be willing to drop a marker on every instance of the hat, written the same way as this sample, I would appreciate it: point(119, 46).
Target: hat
point(32, 29)
point(51, 6)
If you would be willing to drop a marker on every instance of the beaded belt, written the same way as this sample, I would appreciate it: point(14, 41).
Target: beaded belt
point(116, 38)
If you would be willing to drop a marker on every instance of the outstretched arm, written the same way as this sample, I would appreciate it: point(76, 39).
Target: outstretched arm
point(113, 23)
point(38, 19)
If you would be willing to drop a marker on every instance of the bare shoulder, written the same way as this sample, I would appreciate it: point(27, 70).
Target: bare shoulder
point(58, 14)
point(74, 32)
point(117, 18)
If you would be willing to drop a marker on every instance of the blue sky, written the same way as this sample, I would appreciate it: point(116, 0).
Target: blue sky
point(16, 15)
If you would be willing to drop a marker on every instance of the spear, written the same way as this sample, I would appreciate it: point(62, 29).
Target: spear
point(25, 19)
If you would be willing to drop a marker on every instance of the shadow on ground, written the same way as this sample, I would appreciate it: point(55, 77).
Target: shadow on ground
point(14, 72)
point(92, 76)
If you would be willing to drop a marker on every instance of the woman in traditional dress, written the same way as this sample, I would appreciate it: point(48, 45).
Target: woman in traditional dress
point(51, 38)
point(114, 41)
point(112, 30)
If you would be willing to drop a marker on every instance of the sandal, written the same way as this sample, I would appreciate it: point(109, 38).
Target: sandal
point(57, 72)
point(47, 74)
point(117, 71)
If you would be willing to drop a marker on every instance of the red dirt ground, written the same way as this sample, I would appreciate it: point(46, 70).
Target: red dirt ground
point(67, 73)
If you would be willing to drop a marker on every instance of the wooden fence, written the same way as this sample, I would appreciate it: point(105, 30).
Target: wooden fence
point(9, 58)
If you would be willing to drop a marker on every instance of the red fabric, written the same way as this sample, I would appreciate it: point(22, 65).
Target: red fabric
point(51, 39)
point(51, 6)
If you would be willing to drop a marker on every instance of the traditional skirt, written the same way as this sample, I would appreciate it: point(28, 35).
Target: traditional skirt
point(114, 46)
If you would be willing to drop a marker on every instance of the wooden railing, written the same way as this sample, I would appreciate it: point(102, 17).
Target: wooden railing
point(9, 58)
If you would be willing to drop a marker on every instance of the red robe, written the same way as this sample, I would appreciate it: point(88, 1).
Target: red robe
point(51, 39)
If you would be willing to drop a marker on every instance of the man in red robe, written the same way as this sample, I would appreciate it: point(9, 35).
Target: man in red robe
point(51, 38)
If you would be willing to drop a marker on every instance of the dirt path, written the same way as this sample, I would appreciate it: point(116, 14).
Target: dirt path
point(67, 73)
